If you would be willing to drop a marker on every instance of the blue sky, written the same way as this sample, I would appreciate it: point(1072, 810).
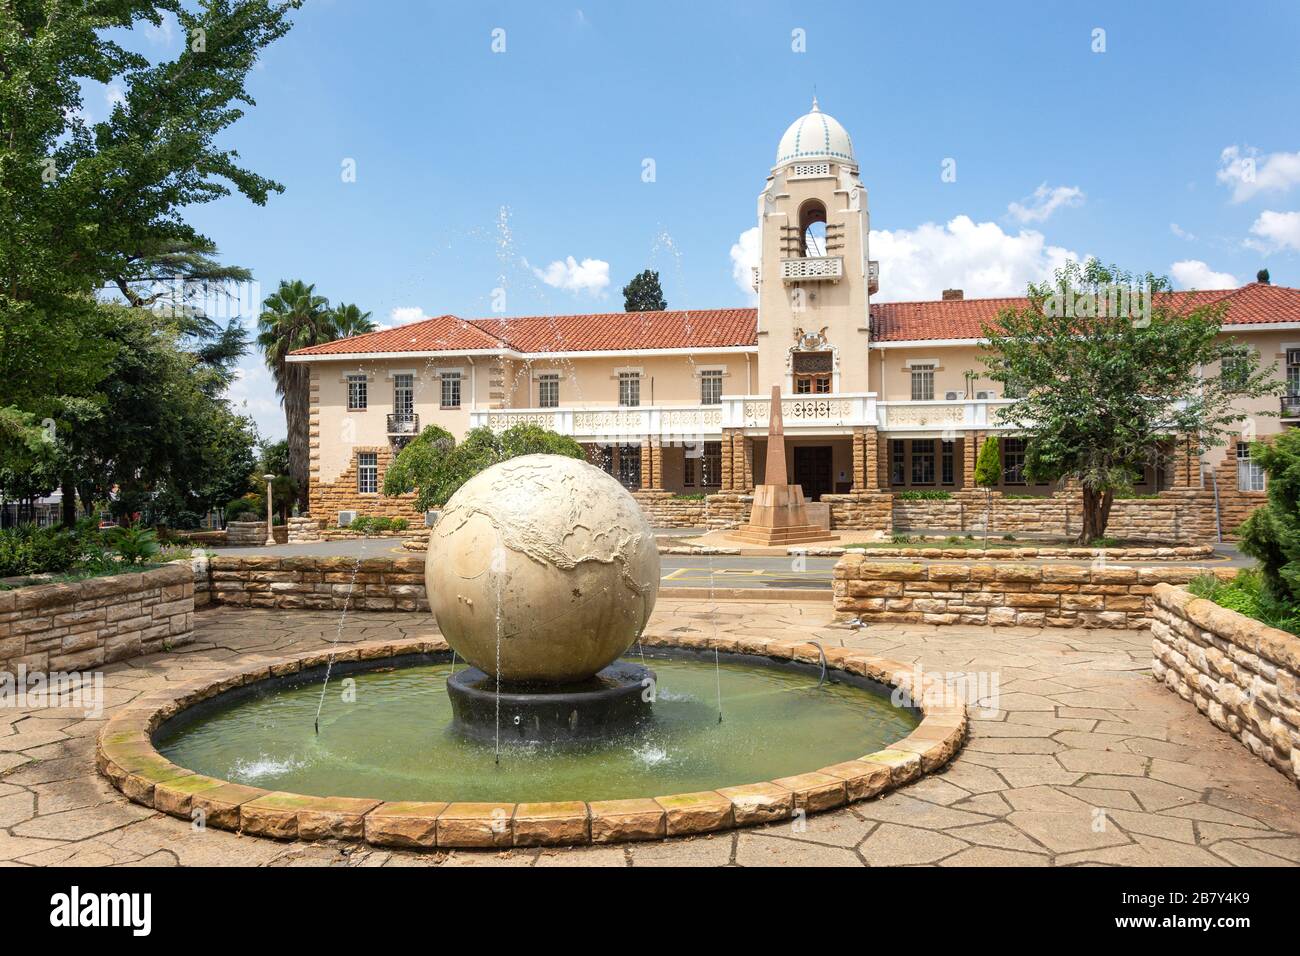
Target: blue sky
point(477, 170)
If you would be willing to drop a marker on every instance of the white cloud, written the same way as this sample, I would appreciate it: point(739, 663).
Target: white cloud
point(402, 314)
point(590, 276)
point(978, 258)
point(745, 253)
point(1276, 230)
point(161, 34)
point(253, 393)
point(1247, 173)
point(1045, 201)
point(1195, 274)
point(113, 95)
point(1180, 232)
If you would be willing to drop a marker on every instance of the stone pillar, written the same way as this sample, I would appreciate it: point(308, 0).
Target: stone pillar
point(969, 455)
point(882, 461)
point(652, 460)
point(747, 464)
point(866, 469)
point(728, 461)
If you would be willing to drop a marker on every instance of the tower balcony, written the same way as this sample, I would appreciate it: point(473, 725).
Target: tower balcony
point(812, 269)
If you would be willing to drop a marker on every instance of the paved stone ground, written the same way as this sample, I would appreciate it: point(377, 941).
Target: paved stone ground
point(1086, 761)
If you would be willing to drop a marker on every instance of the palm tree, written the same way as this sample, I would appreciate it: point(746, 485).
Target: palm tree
point(295, 317)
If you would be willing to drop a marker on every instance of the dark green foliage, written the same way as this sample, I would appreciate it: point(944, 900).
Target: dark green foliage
point(365, 524)
point(133, 544)
point(988, 467)
point(434, 466)
point(1271, 535)
point(644, 294)
point(1247, 594)
point(923, 495)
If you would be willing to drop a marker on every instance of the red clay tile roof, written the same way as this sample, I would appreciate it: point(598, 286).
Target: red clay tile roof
point(698, 329)
point(446, 333)
point(1252, 304)
point(610, 331)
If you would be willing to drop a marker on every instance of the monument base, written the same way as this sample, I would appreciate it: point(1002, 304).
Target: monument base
point(779, 516)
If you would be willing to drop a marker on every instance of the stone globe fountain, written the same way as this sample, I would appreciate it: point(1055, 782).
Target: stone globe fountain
point(542, 571)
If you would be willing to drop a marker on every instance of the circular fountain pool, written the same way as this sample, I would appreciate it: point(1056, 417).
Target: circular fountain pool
point(386, 733)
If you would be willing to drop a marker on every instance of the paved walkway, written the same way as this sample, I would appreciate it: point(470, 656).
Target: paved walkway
point(1086, 760)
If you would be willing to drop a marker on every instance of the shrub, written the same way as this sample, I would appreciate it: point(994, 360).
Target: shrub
point(1272, 534)
point(924, 495)
point(244, 509)
point(1247, 594)
point(134, 544)
point(377, 524)
point(28, 549)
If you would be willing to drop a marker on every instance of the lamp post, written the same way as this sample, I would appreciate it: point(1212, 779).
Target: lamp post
point(270, 528)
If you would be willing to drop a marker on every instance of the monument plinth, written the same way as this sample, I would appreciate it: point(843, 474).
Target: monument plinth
point(780, 514)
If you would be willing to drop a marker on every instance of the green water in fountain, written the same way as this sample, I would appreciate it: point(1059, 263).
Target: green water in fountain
point(393, 741)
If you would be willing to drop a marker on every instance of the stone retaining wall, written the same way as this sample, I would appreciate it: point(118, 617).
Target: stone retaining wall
point(84, 624)
point(1002, 594)
point(1182, 516)
point(252, 534)
point(304, 530)
point(370, 584)
point(1242, 674)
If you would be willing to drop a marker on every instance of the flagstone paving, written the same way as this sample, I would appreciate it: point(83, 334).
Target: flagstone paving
point(1085, 760)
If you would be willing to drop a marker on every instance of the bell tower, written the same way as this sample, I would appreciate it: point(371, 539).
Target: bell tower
point(814, 277)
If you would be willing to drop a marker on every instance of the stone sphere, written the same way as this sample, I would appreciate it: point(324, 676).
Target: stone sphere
point(552, 556)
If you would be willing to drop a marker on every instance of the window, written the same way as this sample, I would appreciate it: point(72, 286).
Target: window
point(897, 461)
point(923, 461)
point(1235, 367)
point(813, 372)
point(688, 472)
point(947, 469)
point(1293, 371)
point(404, 397)
point(711, 387)
point(1250, 476)
point(711, 465)
point(548, 390)
point(451, 389)
point(1013, 461)
point(356, 393)
point(922, 383)
point(629, 466)
point(629, 391)
point(367, 472)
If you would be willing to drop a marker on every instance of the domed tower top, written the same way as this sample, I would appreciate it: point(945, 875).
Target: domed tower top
point(813, 136)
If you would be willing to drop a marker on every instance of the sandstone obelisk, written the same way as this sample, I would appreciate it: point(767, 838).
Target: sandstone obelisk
point(779, 515)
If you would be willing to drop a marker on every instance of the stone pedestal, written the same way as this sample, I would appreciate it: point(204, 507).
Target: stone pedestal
point(780, 516)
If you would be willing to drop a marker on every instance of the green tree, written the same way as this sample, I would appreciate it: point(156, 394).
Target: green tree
point(295, 317)
point(643, 293)
point(273, 459)
point(434, 466)
point(1271, 534)
point(91, 204)
point(988, 472)
point(1097, 391)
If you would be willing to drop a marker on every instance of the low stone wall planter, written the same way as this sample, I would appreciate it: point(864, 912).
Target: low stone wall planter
point(311, 581)
point(1242, 674)
point(125, 754)
point(252, 534)
point(79, 625)
point(1171, 553)
point(1000, 594)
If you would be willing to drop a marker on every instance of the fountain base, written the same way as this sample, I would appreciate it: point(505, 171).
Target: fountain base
point(614, 701)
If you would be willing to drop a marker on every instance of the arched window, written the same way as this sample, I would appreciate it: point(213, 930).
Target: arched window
point(812, 229)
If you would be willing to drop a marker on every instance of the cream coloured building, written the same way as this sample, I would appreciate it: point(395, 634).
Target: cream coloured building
point(880, 399)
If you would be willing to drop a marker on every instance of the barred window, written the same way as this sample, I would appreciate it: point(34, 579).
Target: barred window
point(367, 472)
point(1250, 476)
point(451, 389)
point(711, 465)
point(356, 393)
point(1293, 371)
point(897, 461)
point(922, 383)
point(711, 387)
point(629, 389)
point(548, 390)
point(947, 454)
point(1235, 368)
point(1013, 461)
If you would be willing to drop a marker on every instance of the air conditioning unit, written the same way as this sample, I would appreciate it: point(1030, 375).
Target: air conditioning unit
point(346, 518)
point(986, 396)
point(430, 518)
point(951, 396)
